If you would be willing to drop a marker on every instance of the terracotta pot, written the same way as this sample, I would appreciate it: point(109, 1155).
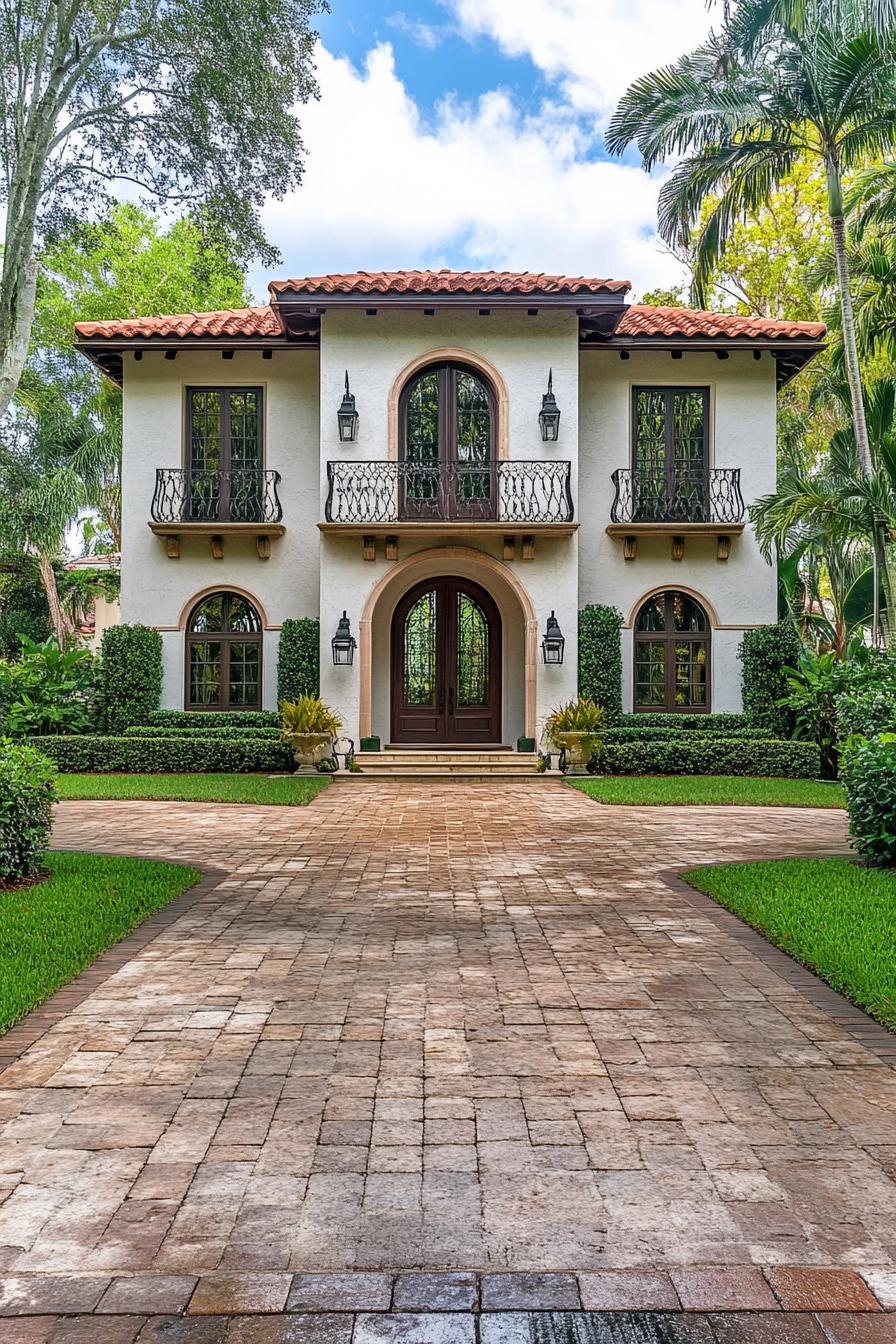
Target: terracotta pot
point(308, 749)
point(579, 749)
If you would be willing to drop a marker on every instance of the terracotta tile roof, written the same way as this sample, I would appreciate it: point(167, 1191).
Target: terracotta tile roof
point(261, 321)
point(640, 319)
point(448, 282)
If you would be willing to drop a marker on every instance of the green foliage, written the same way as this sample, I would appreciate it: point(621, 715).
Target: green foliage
point(178, 755)
point(813, 687)
point(307, 715)
point(227, 732)
point(869, 777)
point(710, 791)
point(47, 690)
point(600, 658)
point(27, 794)
point(130, 675)
point(702, 724)
point(276, 790)
point(225, 718)
point(716, 755)
point(765, 653)
point(867, 702)
point(298, 663)
point(85, 904)
point(832, 915)
point(684, 728)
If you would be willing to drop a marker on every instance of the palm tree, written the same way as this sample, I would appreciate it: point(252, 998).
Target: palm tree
point(783, 79)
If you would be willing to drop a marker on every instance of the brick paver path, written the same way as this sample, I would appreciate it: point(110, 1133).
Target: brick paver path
point(454, 1027)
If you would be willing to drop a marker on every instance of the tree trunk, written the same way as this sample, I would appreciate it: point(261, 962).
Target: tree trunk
point(48, 580)
point(19, 316)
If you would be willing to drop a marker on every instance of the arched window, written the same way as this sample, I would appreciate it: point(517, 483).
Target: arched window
point(447, 423)
point(672, 646)
point(223, 654)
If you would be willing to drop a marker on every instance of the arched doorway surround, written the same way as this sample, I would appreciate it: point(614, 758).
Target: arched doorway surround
point(448, 354)
point(455, 561)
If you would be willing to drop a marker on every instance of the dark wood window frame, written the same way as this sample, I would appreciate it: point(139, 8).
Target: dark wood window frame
point(669, 637)
point(668, 391)
point(447, 371)
point(225, 466)
point(225, 638)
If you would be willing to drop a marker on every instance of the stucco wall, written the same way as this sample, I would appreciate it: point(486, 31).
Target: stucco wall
point(740, 592)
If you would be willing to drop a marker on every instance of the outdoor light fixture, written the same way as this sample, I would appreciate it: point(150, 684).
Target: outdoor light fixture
point(549, 415)
point(553, 643)
point(347, 416)
point(343, 643)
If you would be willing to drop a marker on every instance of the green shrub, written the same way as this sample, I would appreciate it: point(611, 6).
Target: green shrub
point(130, 675)
point(298, 662)
point(306, 716)
point(674, 732)
point(166, 755)
point(765, 653)
point(600, 658)
point(729, 725)
point(27, 792)
point(207, 730)
point(692, 755)
point(869, 777)
point(48, 690)
point(219, 718)
point(867, 703)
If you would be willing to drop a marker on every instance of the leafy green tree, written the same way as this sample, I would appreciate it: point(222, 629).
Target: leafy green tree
point(192, 101)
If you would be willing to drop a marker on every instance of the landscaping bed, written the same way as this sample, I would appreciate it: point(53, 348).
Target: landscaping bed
point(80, 904)
point(833, 915)
point(284, 790)
point(736, 790)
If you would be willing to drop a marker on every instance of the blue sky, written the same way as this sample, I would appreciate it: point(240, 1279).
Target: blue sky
point(470, 134)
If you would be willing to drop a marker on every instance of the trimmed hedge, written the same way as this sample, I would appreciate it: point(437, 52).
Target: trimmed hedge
point(210, 730)
point(868, 773)
point(298, 662)
point(704, 725)
point(690, 755)
point(220, 718)
point(641, 733)
point(600, 658)
point(27, 794)
point(165, 755)
point(130, 675)
point(765, 652)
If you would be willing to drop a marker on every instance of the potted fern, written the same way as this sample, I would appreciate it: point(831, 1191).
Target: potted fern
point(308, 726)
point(576, 726)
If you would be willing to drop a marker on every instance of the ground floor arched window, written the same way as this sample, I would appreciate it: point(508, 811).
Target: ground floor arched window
point(223, 654)
point(672, 655)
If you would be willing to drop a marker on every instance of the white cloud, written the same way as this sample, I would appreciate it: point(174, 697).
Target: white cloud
point(424, 34)
point(594, 48)
point(478, 185)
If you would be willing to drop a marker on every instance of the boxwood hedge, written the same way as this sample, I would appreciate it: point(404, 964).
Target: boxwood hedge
point(640, 733)
point(225, 718)
point(868, 772)
point(600, 658)
point(692, 755)
point(207, 730)
point(298, 662)
point(26, 802)
point(165, 755)
point(701, 724)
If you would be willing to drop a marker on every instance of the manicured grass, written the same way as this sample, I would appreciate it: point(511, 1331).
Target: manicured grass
point(833, 915)
point(51, 930)
point(291, 790)
point(746, 790)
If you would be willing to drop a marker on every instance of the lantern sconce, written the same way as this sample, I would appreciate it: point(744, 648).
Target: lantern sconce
point(553, 643)
point(549, 415)
point(343, 643)
point(347, 416)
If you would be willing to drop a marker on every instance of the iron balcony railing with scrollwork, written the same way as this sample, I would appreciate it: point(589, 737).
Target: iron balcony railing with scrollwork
point(187, 496)
point(504, 492)
point(685, 496)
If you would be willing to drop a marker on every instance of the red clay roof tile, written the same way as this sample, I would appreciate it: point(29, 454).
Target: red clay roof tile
point(261, 321)
point(448, 282)
point(640, 319)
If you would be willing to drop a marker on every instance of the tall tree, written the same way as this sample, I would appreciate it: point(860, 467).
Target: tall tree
point(191, 100)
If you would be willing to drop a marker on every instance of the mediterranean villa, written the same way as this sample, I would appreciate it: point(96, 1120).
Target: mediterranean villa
point(444, 467)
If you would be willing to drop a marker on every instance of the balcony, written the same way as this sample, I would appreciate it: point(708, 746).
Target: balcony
point(216, 504)
point(688, 503)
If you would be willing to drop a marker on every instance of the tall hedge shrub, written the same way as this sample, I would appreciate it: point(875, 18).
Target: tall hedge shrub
point(298, 664)
point(27, 792)
point(868, 771)
point(600, 658)
point(130, 675)
point(765, 652)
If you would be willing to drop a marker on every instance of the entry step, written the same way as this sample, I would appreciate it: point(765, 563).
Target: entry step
point(403, 763)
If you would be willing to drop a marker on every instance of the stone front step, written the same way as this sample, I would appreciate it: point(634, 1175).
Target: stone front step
point(421, 764)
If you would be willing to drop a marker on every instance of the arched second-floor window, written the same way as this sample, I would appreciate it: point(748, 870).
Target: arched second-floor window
point(447, 435)
point(223, 653)
point(672, 652)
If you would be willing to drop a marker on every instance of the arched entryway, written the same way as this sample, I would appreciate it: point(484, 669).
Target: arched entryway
point(446, 664)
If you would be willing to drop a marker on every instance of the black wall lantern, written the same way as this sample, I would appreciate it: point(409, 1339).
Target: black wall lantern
point(343, 643)
point(549, 415)
point(347, 416)
point(553, 643)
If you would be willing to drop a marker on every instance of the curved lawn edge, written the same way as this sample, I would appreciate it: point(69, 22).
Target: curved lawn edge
point(54, 929)
point(709, 791)
point(264, 790)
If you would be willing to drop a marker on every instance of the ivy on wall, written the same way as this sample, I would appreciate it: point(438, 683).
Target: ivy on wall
point(298, 664)
point(130, 675)
point(600, 658)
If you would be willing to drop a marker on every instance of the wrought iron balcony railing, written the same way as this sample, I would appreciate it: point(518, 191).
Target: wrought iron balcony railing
point(694, 496)
point(505, 492)
point(186, 496)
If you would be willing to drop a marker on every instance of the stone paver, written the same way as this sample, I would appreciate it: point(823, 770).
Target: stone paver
point(440, 1029)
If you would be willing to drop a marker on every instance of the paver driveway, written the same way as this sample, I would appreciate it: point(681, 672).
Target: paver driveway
point(445, 1027)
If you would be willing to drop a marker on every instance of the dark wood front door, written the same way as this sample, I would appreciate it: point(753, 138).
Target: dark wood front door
point(446, 664)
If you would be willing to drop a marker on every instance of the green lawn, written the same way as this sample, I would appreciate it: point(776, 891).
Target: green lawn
point(736, 789)
point(53, 929)
point(831, 914)
point(292, 790)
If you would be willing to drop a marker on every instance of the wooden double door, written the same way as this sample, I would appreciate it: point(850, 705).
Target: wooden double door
point(446, 665)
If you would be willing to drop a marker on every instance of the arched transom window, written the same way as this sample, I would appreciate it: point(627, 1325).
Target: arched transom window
point(223, 654)
point(672, 647)
point(447, 417)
